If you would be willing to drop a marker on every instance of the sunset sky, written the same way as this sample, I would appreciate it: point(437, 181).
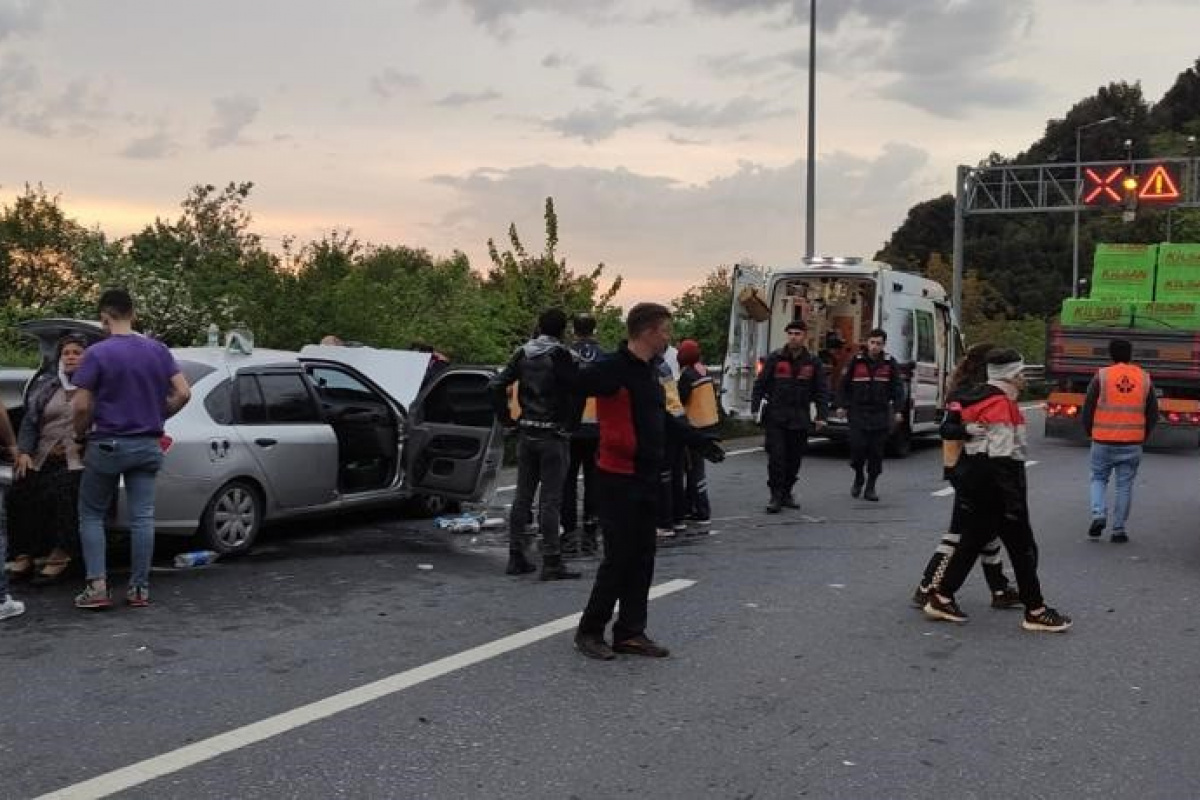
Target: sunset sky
point(669, 132)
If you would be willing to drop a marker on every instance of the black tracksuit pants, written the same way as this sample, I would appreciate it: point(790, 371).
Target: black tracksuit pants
point(785, 452)
point(866, 448)
point(628, 507)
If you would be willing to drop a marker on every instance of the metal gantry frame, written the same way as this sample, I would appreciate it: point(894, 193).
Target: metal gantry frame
point(1050, 188)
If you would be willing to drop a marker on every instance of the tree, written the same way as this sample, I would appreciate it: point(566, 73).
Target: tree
point(702, 313)
point(520, 286)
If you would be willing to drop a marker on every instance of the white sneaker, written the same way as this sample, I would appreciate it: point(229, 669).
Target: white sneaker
point(11, 608)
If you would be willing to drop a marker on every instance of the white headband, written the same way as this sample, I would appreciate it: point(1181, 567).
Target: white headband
point(1005, 372)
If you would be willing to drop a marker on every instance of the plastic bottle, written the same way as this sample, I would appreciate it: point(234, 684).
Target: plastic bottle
point(214, 335)
point(196, 558)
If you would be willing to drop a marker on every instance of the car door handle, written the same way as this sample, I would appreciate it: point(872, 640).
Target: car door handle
point(265, 442)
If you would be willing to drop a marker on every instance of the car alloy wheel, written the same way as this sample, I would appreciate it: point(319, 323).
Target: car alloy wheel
point(233, 518)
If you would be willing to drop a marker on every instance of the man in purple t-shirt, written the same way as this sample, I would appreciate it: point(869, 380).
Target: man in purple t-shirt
point(128, 386)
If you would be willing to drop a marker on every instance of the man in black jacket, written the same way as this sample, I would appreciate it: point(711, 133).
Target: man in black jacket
point(791, 380)
point(632, 411)
point(544, 371)
point(872, 395)
point(584, 440)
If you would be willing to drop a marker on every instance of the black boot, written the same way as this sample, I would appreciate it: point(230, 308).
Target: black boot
point(519, 562)
point(589, 545)
point(776, 503)
point(553, 570)
point(869, 492)
point(789, 501)
point(571, 545)
point(856, 487)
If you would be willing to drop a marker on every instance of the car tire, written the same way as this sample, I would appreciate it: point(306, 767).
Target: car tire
point(232, 519)
point(432, 505)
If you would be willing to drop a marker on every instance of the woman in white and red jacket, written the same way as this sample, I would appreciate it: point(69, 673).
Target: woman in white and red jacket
point(990, 480)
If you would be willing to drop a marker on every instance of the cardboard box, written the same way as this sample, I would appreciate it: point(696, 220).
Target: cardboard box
point(1167, 315)
point(1178, 273)
point(1124, 272)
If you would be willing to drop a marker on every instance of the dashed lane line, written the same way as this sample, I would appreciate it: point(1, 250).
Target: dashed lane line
point(159, 766)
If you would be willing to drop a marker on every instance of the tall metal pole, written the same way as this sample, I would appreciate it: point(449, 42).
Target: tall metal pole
point(1075, 226)
point(810, 164)
point(960, 181)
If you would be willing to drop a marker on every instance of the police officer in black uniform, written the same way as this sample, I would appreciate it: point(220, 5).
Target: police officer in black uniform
point(872, 395)
point(792, 379)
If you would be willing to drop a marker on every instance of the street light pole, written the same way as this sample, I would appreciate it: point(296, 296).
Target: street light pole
point(811, 191)
point(1078, 198)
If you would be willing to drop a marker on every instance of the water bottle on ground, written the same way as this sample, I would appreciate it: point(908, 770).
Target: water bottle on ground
point(196, 558)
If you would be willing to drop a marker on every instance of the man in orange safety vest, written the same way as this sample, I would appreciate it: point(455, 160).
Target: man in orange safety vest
point(1118, 415)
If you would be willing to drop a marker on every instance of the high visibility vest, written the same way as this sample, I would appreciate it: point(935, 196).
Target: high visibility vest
point(701, 406)
point(1121, 408)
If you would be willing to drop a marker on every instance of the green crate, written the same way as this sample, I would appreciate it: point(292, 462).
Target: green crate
point(1178, 276)
point(1093, 313)
point(1167, 315)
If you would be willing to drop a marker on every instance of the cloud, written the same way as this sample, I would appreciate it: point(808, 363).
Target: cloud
point(18, 17)
point(460, 99)
point(391, 82)
point(25, 104)
point(604, 119)
point(660, 232)
point(557, 60)
point(495, 15)
point(592, 77)
point(914, 45)
point(233, 115)
point(155, 146)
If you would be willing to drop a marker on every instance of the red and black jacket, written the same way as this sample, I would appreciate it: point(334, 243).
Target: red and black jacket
point(789, 383)
point(871, 392)
point(632, 412)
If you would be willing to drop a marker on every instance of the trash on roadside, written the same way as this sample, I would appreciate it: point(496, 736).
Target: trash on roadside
point(460, 523)
point(196, 558)
point(426, 567)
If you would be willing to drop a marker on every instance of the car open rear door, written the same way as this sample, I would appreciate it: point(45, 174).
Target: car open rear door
point(748, 315)
point(453, 446)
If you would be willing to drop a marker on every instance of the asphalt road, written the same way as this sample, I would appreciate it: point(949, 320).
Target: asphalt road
point(799, 668)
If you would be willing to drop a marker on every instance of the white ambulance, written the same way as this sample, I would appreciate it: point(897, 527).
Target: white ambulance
point(841, 300)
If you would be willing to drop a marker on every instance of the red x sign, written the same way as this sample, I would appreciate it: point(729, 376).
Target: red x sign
point(1103, 188)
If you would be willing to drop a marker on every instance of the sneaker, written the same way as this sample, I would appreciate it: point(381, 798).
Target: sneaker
point(920, 596)
point(1046, 620)
point(1097, 528)
point(1006, 598)
point(594, 647)
point(1119, 537)
point(641, 645)
point(11, 608)
point(93, 598)
point(137, 597)
point(948, 610)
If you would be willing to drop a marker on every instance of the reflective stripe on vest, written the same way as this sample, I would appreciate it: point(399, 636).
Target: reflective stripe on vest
point(671, 390)
point(1121, 408)
point(702, 404)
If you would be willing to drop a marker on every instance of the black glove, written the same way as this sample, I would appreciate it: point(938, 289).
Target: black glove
point(713, 452)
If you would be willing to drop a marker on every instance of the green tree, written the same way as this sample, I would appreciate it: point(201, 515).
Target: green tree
point(702, 313)
point(519, 286)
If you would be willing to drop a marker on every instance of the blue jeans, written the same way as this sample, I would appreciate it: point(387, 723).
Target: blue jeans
point(138, 460)
point(1124, 459)
point(3, 547)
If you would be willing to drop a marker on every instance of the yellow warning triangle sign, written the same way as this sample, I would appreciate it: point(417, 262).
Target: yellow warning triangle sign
point(1159, 185)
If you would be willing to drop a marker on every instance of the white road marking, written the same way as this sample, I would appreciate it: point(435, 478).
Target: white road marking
point(153, 768)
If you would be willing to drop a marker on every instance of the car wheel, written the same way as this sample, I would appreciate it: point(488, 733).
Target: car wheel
point(899, 444)
point(233, 518)
point(432, 505)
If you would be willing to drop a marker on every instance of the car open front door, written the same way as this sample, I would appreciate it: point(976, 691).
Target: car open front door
point(453, 448)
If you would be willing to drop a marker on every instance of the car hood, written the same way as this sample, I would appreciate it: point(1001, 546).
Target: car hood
point(400, 373)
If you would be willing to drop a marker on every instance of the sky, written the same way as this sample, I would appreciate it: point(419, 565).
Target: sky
point(670, 133)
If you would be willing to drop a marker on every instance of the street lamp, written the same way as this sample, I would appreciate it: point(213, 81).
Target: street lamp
point(810, 190)
point(1079, 196)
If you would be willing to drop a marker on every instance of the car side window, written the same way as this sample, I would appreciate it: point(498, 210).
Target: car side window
point(288, 399)
point(926, 342)
point(459, 399)
point(251, 410)
point(219, 403)
point(333, 385)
